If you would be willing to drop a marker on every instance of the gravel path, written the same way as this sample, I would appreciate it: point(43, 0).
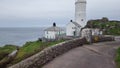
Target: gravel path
point(98, 55)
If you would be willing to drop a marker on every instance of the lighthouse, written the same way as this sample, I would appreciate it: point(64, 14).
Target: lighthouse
point(80, 12)
point(73, 28)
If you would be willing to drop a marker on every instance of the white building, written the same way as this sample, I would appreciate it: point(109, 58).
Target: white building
point(80, 12)
point(80, 19)
point(94, 32)
point(89, 32)
point(73, 29)
point(54, 32)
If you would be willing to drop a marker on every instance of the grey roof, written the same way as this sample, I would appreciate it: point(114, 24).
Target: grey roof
point(76, 24)
point(54, 29)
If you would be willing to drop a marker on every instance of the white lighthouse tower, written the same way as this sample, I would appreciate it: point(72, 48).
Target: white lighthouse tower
point(73, 28)
point(80, 12)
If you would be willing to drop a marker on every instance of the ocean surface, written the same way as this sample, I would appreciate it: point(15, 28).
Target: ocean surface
point(19, 36)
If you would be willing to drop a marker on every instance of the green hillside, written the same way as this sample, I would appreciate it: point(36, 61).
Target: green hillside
point(28, 49)
point(4, 51)
point(31, 48)
point(118, 58)
point(108, 27)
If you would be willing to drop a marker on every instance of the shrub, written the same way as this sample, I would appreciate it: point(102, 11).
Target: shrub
point(4, 51)
point(118, 58)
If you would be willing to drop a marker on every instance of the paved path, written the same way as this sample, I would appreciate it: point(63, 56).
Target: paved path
point(100, 55)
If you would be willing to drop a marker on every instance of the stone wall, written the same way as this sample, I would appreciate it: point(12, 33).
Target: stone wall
point(52, 52)
point(49, 54)
point(106, 38)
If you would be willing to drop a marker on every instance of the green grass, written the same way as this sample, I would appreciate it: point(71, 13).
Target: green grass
point(112, 28)
point(31, 48)
point(27, 50)
point(118, 58)
point(4, 51)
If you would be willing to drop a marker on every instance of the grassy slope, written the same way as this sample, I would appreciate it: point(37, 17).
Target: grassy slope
point(118, 58)
point(31, 48)
point(113, 28)
point(4, 51)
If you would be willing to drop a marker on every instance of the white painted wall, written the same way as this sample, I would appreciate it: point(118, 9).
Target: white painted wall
point(71, 28)
point(80, 12)
point(78, 32)
point(50, 34)
point(95, 32)
point(53, 34)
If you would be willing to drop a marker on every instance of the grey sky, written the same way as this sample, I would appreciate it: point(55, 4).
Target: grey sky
point(37, 13)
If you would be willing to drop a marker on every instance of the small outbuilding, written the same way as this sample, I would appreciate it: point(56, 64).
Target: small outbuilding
point(91, 31)
point(54, 32)
point(73, 29)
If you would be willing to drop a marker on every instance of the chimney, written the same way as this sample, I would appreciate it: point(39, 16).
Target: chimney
point(71, 21)
point(54, 24)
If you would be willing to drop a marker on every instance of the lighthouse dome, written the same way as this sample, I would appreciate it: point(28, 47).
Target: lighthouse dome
point(80, 0)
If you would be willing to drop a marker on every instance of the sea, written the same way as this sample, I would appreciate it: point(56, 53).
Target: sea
point(19, 36)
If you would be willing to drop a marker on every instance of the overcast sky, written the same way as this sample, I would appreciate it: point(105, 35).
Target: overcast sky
point(37, 13)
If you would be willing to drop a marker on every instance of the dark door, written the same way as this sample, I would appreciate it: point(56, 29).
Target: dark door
point(74, 33)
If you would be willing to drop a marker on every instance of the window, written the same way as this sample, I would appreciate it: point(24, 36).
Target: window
point(81, 19)
point(59, 32)
point(73, 27)
point(47, 32)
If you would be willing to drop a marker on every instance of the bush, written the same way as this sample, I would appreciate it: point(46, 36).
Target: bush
point(96, 38)
point(118, 58)
point(31, 48)
point(4, 51)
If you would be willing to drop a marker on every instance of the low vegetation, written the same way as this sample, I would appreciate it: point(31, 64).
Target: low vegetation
point(4, 51)
point(109, 27)
point(31, 48)
point(27, 50)
point(118, 58)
